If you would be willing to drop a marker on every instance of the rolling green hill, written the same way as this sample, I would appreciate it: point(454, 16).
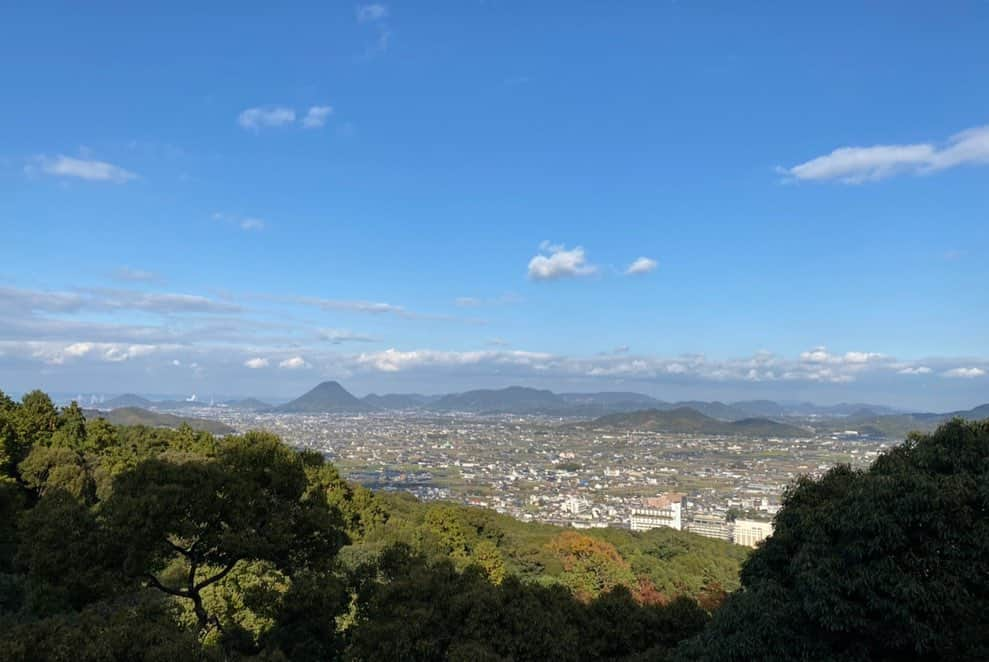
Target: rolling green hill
point(514, 399)
point(685, 420)
point(127, 400)
point(152, 419)
point(898, 426)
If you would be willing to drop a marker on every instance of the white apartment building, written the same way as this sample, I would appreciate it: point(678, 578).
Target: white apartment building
point(710, 526)
point(574, 505)
point(665, 510)
point(750, 532)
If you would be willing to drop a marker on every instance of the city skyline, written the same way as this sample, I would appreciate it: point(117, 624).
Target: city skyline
point(388, 197)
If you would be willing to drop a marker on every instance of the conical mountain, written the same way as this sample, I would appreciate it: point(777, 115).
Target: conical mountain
point(327, 398)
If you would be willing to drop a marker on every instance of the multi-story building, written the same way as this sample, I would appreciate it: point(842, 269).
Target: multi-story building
point(664, 510)
point(574, 505)
point(710, 526)
point(751, 532)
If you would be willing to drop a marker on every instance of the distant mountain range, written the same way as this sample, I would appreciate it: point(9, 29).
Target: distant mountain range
point(685, 420)
point(753, 416)
point(866, 421)
point(399, 400)
point(511, 400)
point(153, 419)
point(609, 398)
point(131, 400)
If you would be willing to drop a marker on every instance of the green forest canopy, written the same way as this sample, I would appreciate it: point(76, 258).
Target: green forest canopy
point(175, 542)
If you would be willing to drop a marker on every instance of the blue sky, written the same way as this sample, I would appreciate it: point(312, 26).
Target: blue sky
point(436, 196)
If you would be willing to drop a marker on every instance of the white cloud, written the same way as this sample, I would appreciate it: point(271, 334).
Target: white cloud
point(854, 165)
point(340, 336)
point(105, 300)
point(861, 357)
point(316, 116)
point(251, 224)
point(821, 355)
point(89, 170)
point(964, 373)
point(85, 355)
point(642, 265)
point(371, 12)
point(59, 353)
point(163, 303)
point(506, 299)
point(79, 349)
point(965, 147)
point(376, 15)
point(246, 223)
point(294, 363)
point(816, 355)
point(254, 119)
point(559, 263)
point(118, 353)
point(393, 360)
point(372, 307)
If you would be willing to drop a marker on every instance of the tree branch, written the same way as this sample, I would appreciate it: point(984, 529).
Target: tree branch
point(161, 587)
point(180, 550)
point(215, 578)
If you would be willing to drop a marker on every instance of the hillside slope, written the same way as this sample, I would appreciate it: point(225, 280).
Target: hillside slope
point(153, 419)
point(685, 420)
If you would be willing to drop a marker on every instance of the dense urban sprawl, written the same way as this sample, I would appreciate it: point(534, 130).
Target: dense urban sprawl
point(540, 469)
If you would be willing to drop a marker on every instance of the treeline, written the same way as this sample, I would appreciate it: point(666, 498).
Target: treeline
point(121, 543)
point(127, 543)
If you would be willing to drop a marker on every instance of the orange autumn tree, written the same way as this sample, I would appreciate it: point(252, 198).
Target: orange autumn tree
point(590, 566)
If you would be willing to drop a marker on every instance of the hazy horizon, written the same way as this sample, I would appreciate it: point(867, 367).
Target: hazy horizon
point(278, 398)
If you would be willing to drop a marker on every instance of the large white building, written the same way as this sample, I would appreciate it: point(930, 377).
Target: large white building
point(750, 532)
point(710, 526)
point(665, 510)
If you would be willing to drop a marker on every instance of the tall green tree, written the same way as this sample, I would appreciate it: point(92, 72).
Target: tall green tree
point(361, 510)
point(65, 555)
point(11, 449)
point(7, 403)
point(36, 419)
point(206, 517)
point(70, 429)
point(136, 629)
point(48, 468)
point(890, 563)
